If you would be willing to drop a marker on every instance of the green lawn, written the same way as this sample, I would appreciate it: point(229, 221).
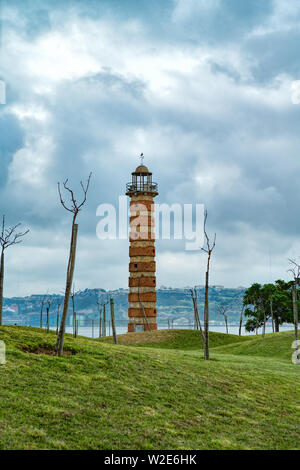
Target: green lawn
point(159, 395)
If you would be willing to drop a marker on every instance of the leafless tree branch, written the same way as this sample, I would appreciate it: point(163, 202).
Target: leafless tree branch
point(74, 207)
point(209, 248)
point(294, 270)
point(9, 236)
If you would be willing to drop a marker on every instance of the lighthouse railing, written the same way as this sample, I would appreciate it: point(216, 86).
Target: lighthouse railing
point(142, 186)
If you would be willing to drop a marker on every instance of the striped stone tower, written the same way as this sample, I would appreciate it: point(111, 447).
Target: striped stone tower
point(142, 279)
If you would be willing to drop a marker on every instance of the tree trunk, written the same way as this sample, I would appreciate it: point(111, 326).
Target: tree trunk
point(41, 315)
point(271, 309)
point(75, 322)
point(276, 325)
point(199, 321)
point(112, 312)
point(1, 284)
point(295, 311)
point(206, 313)
point(47, 323)
point(104, 321)
point(59, 347)
point(241, 322)
point(100, 323)
point(57, 320)
point(264, 325)
point(195, 318)
point(226, 323)
point(74, 314)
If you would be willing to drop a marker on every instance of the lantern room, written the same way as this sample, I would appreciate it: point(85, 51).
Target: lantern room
point(141, 182)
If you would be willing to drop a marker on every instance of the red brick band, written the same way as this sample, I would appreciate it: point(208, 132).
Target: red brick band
point(142, 267)
point(142, 251)
point(135, 236)
point(142, 281)
point(138, 312)
point(143, 297)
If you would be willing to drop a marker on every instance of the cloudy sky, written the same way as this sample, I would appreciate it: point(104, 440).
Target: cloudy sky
point(202, 87)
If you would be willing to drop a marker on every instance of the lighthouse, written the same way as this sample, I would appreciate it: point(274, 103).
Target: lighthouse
point(142, 268)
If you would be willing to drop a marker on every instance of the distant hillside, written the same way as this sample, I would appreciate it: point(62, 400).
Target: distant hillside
point(172, 305)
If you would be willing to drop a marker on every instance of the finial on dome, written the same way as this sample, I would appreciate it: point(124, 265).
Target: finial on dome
point(142, 168)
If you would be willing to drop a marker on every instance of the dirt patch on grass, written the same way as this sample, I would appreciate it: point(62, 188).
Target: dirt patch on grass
point(49, 351)
point(144, 337)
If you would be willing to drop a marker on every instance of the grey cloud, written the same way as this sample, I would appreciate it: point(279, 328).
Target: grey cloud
point(275, 53)
point(11, 139)
point(214, 140)
point(224, 21)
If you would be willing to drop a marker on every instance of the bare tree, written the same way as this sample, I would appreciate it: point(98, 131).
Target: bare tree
point(265, 320)
point(197, 321)
point(8, 237)
point(57, 314)
point(104, 319)
point(113, 324)
point(48, 305)
point(295, 271)
point(42, 309)
point(74, 208)
point(208, 249)
point(222, 310)
point(101, 307)
point(271, 310)
point(73, 294)
point(241, 320)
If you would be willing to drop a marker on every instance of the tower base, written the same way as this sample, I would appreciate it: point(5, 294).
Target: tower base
point(134, 327)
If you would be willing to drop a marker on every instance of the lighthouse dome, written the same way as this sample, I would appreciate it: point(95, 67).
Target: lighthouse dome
point(142, 169)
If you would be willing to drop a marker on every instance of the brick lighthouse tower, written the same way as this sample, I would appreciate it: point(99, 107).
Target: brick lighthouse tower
point(142, 280)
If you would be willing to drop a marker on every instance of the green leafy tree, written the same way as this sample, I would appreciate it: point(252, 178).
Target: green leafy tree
point(267, 301)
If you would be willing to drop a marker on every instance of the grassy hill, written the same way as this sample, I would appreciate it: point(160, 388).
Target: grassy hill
point(159, 395)
point(277, 346)
point(186, 340)
point(274, 345)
